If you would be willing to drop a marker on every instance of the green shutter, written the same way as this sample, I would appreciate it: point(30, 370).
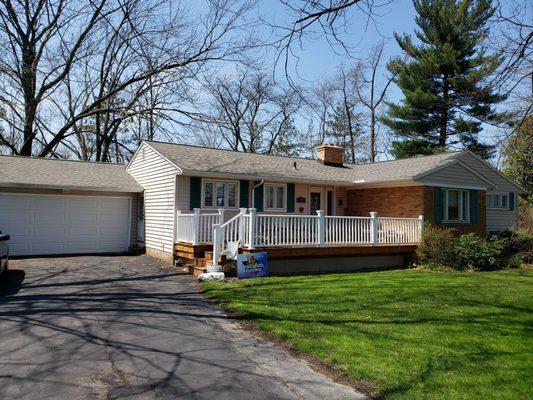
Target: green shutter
point(511, 201)
point(195, 192)
point(244, 200)
point(258, 196)
point(474, 207)
point(290, 197)
point(439, 205)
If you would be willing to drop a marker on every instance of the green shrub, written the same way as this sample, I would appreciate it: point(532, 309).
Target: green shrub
point(437, 247)
point(441, 248)
point(480, 254)
point(518, 246)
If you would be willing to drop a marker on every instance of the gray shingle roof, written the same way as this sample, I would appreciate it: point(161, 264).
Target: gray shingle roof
point(65, 174)
point(206, 161)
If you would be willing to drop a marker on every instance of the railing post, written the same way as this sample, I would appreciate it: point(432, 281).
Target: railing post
point(321, 228)
point(251, 233)
point(196, 226)
point(241, 226)
point(374, 228)
point(420, 226)
point(217, 244)
point(220, 216)
point(176, 225)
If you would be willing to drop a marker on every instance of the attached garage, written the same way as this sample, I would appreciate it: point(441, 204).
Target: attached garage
point(59, 224)
point(85, 208)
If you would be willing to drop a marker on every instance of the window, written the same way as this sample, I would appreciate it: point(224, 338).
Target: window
point(498, 201)
point(221, 194)
point(275, 197)
point(456, 205)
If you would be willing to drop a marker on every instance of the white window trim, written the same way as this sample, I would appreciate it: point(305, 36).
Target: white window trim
point(461, 210)
point(284, 185)
point(500, 195)
point(214, 206)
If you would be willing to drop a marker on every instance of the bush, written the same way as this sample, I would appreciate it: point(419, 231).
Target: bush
point(518, 246)
point(480, 254)
point(437, 247)
point(441, 248)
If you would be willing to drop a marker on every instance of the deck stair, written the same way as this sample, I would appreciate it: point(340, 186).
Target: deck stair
point(195, 259)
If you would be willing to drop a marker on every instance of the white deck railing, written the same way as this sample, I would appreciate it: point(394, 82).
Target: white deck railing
point(252, 230)
point(399, 230)
point(196, 228)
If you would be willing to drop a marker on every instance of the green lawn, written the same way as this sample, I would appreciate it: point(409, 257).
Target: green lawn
point(414, 334)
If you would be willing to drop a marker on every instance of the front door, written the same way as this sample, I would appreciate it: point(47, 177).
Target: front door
point(315, 203)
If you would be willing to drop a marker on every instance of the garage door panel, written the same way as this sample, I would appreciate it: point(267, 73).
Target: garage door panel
point(112, 203)
point(48, 247)
point(19, 248)
point(82, 230)
point(48, 218)
point(84, 203)
point(15, 231)
point(40, 224)
point(111, 231)
point(50, 202)
point(83, 218)
point(20, 204)
point(43, 232)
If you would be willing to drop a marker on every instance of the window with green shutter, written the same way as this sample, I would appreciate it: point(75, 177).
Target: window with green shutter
point(258, 196)
point(244, 194)
point(195, 192)
point(290, 197)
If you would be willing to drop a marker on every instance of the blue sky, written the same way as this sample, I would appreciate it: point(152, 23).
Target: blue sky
point(318, 60)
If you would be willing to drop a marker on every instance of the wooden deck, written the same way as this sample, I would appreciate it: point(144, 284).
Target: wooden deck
point(197, 258)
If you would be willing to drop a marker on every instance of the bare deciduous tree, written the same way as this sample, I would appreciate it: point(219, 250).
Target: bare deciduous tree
point(249, 111)
point(312, 19)
point(371, 88)
point(80, 70)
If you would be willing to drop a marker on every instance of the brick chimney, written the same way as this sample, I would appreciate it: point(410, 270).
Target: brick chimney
point(330, 154)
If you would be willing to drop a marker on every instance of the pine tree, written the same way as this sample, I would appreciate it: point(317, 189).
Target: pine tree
point(444, 80)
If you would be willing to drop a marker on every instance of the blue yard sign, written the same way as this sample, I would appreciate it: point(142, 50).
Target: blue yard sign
point(252, 265)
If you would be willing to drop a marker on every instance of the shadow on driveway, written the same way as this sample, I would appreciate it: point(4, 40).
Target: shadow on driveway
point(122, 327)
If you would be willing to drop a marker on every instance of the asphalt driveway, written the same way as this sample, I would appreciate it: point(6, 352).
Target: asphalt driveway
point(125, 327)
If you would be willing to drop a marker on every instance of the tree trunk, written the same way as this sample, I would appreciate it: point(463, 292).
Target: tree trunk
point(443, 134)
point(28, 81)
point(372, 136)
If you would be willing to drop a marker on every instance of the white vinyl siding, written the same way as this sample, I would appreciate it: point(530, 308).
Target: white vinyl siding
point(497, 220)
point(157, 176)
point(501, 219)
point(455, 175)
point(183, 193)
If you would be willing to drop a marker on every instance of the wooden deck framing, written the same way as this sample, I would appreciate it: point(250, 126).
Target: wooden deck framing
point(197, 258)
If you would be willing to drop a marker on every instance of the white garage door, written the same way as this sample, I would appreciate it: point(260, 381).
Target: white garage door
point(43, 224)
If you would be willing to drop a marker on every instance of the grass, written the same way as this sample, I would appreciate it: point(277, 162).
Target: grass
point(414, 334)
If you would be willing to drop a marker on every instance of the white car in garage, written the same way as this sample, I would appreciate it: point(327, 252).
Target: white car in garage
point(4, 252)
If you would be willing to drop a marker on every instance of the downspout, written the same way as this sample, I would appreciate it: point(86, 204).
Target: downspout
point(261, 182)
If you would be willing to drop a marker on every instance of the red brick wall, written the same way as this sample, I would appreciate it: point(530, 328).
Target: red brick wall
point(404, 201)
point(407, 201)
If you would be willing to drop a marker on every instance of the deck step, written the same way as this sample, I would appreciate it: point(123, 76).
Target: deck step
point(195, 269)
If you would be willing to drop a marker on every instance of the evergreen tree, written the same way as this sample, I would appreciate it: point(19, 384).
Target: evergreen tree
point(444, 80)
